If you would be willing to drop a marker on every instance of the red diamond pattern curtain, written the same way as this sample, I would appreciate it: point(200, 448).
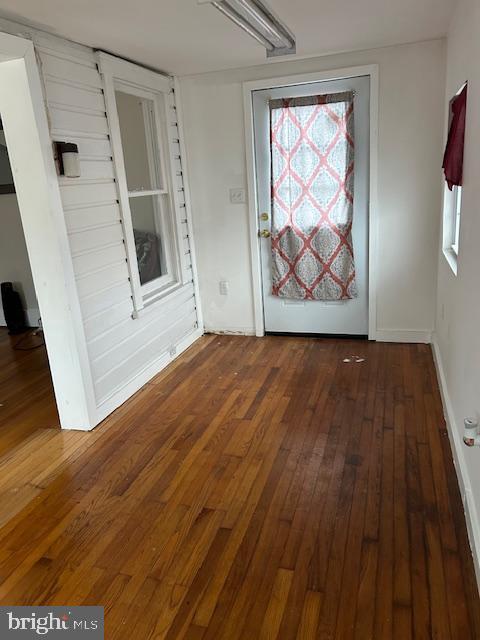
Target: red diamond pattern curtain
point(312, 155)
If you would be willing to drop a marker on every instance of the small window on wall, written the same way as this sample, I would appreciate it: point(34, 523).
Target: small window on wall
point(453, 170)
point(147, 187)
point(137, 112)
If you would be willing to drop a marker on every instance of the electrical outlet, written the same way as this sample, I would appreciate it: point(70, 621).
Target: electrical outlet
point(172, 351)
point(223, 287)
point(237, 196)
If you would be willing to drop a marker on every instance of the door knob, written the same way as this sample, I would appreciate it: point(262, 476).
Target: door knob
point(264, 233)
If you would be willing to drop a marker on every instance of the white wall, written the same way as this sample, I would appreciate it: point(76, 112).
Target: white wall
point(14, 262)
point(458, 301)
point(410, 138)
point(123, 352)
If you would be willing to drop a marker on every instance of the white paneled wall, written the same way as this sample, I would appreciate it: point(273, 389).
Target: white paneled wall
point(124, 352)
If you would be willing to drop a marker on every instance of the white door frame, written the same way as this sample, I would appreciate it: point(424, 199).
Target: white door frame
point(322, 76)
point(27, 134)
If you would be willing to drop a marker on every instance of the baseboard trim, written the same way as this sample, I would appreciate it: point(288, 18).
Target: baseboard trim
point(32, 317)
point(457, 446)
point(406, 336)
point(231, 331)
point(382, 335)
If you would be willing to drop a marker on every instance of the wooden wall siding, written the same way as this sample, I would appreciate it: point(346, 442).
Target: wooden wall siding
point(119, 346)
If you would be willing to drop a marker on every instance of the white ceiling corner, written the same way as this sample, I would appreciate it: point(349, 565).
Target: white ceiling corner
point(183, 37)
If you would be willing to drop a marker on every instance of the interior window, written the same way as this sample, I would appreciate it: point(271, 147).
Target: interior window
point(456, 212)
point(145, 147)
point(147, 186)
point(452, 201)
point(452, 211)
point(136, 116)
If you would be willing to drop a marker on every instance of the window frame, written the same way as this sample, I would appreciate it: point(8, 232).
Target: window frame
point(452, 211)
point(120, 75)
point(157, 168)
point(456, 216)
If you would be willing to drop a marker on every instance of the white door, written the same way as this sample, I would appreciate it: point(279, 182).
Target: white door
point(293, 315)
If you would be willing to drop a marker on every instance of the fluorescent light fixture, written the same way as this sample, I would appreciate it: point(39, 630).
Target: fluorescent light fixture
point(254, 17)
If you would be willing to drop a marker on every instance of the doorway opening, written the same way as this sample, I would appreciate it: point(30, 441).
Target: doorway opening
point(27, 400)
point(311, 160)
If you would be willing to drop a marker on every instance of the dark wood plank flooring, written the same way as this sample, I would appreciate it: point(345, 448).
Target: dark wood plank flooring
point(257, 488)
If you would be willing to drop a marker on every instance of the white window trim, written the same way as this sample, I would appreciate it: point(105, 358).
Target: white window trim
point(123, 75)
point(451, 225)
point(157, 172)
point(456, 216)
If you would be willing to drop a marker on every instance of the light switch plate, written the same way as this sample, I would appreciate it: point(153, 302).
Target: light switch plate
point(237, 196)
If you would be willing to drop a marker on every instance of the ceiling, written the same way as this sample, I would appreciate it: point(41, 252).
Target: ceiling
point(183, 37)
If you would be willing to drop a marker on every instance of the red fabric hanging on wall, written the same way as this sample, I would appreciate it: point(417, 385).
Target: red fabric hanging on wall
point(453, 158)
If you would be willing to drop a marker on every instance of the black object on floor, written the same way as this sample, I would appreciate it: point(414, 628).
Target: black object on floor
point(13, 309)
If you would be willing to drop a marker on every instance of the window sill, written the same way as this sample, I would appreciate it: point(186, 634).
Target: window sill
point(150, 301)
point(452, 259)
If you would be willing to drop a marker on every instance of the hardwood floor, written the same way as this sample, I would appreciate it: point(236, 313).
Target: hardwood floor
point(258, 488)
point(26, 392)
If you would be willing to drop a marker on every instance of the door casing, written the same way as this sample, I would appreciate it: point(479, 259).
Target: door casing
point(270, 83)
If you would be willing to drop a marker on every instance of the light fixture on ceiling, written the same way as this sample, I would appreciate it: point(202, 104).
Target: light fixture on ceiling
point(254, 17)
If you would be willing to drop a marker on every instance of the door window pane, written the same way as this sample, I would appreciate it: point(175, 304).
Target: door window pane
point(148, 237)
point(137, 130)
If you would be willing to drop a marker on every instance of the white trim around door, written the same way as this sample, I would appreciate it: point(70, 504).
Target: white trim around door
point(336, 74)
